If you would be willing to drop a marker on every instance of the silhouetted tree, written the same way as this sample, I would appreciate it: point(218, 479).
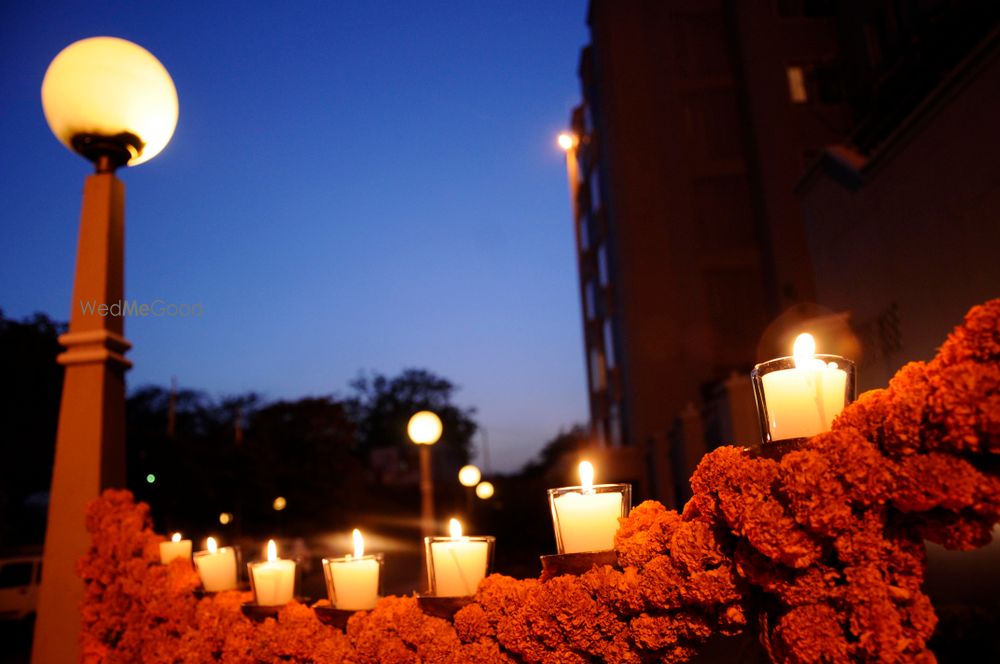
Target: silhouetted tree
point(382, 406)
point(302, 451)
point(29, 412)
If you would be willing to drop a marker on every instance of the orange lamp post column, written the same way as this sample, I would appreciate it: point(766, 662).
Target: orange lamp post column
point(84, 95)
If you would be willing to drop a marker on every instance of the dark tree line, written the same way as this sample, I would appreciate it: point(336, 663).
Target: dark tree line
point(194, 457)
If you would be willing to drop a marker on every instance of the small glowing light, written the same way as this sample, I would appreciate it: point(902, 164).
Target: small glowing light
point(424, 428)
point(587, 476)
point(225, 518)
point(566, 141)
point(803, 350)
point(455, 528)
point(176, 537)
point(469, 475)
point(279, 503)
point(150, 478)
point(272, 551)
point(359, 543)
point(484, 490)
point(211, 545)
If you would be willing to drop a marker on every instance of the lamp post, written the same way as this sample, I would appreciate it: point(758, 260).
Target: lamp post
point(424, 429)
point(112, 102)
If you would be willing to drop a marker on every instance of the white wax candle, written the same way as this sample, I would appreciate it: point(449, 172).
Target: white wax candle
point(460, 563)
point(804, 400)
point(216, 567)
point(587, 521)
point(355, 578)
point(355, 582)
point(175, 548)
point(459, 566)
point(273, 580)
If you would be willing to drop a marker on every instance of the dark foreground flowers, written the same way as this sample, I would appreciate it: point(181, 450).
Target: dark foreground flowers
point(819, 552)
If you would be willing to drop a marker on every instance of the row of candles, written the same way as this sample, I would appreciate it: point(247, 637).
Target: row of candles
point(585, 519)
point(797, 397)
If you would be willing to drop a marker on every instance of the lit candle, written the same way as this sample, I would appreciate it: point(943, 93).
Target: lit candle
point(353, 580)
point(457, 564)
point(802, 400)
point(585, 517)
point(216, 567)
point(175, 548)
point(274, 580)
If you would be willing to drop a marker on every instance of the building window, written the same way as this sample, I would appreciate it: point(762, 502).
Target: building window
point(595, 189)
point(796, 85)
point(590, 299)
point(609, 343)
point(585, 230)
point(603, 274)
point(820, 82)
point(614, 425)
point(598, 371)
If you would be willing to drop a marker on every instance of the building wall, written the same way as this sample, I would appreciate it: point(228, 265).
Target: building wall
point(907, 239)
point(689, 152)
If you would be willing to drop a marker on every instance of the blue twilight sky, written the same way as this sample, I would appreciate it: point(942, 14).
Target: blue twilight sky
point(359, 185)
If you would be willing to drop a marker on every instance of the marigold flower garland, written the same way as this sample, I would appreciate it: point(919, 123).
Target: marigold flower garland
point(820, 551)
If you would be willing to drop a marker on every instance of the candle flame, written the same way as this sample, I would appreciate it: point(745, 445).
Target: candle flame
point(359, 543)
point(272, 551)
point(211, 545)
point(176, 537)
point(587, 476)
point(803, 350)
point(455, 528)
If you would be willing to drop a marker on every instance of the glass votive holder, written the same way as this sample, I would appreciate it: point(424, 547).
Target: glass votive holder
point(586, 519)
point(456, 565)
point(354, 583)
point(796, 402)
point(272, 581)
point(218, 569)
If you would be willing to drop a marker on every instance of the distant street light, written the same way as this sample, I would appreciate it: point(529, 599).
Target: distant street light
point(484, 490)
point(566, 141)
point(112, 102)
point(469, 475)
point(279, 503)
point(424, 429)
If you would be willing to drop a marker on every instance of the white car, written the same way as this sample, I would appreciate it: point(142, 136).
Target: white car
point(19, 581)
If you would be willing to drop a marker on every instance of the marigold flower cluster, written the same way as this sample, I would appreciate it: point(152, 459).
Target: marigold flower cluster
point(819, 552)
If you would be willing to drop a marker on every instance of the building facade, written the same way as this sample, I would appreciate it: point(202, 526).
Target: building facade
point(697, 123)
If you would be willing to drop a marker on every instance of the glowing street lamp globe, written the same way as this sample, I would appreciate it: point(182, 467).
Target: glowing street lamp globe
point(424, 428)
point(106, 96)
point(485, 490)
point(566, 141)
point(469, 475)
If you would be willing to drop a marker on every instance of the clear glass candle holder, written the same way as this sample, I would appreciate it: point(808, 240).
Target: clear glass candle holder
point(800, 402)
point(456, 565)
point(272, 581)
point(586, 520)
point(218, 570)
point(354, 583)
